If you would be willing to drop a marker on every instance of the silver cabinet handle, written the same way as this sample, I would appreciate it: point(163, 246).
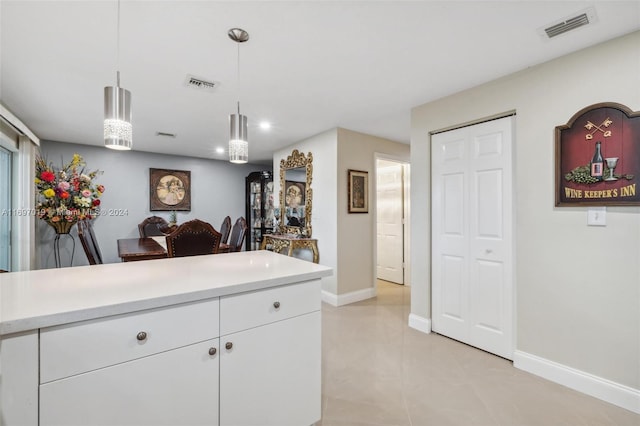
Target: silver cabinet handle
point(141, 336)
point(276, 305)
point(212, 351)
point(228, 345)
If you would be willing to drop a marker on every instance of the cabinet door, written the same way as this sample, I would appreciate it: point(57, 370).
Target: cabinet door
point(177, 387)
point(271, 375)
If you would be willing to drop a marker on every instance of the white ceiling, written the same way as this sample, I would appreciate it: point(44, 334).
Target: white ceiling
point(308, 67)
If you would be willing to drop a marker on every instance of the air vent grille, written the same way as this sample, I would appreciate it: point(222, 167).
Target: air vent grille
point(567, 25)
point(564, 25)
point(168, 135)
point(199, 83)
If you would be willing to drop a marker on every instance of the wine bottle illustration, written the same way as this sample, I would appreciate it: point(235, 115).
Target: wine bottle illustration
point(597, 163)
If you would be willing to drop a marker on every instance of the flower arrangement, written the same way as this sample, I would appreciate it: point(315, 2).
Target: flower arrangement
point(67, 194)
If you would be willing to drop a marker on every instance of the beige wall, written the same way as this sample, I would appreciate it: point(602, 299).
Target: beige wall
point(578, 287)
point(357, 232)
point(345, 241)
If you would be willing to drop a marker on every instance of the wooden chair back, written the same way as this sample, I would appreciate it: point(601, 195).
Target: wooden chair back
point(238, 234)
point(152, 227)
point(225, 229)
point(193, 238)
point(89, 242)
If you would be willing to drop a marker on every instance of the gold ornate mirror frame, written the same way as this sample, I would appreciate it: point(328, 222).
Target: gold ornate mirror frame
point(296, 160)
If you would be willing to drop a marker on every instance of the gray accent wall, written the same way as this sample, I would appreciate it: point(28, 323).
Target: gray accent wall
point(217, 190)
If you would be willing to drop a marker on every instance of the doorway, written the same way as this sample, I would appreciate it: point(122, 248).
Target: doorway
point(472, 235)
point(392, 201)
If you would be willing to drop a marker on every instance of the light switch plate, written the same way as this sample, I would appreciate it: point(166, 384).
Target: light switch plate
point(597, 216)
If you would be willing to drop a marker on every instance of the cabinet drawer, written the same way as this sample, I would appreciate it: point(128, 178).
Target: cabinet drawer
point(246, 310)
point(84, 346)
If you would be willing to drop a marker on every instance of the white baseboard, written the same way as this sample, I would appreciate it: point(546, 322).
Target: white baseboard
point(345, 299)
point(606, 390)
point(419, 323)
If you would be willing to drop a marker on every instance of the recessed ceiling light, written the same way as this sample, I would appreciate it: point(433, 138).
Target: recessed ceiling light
point(220, 150)
point(265, 125)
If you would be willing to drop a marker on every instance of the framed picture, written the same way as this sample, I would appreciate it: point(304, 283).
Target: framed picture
point(358, 191)
point(169, 190)
point(294, 195)
point(598, 157)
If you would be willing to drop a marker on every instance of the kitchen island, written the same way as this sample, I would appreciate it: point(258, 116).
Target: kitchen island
point(219, 339)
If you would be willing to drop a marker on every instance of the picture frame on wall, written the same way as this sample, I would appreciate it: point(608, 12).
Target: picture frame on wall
point(598, 157)
point(169, 190)
point(358, 191)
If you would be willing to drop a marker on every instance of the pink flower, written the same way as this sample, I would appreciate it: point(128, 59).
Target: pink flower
point(64, 185)
point(86, 193)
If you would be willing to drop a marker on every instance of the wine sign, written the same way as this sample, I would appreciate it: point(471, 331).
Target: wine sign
point(598, 157)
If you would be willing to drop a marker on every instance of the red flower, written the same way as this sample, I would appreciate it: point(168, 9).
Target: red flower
point(47, 176)
point(96, 202)
point(64, 195)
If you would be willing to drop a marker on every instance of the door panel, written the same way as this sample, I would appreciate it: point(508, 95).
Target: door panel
point(390, 243)
point(271, 375)
point(472, 223)
point(176, 387)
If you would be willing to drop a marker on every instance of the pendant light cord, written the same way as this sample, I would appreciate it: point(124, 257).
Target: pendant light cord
point(118, 48)
point(238, 78)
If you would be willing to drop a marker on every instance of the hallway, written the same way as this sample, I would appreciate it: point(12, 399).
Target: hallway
point(378, 371)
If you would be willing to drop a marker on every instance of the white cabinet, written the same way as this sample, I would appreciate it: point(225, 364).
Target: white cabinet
point(176, 387)
point(271, 374)
point(155, 367)
point(251, 358)
point(270, 360)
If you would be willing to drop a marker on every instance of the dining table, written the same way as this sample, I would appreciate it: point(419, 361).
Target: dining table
point(147, 248)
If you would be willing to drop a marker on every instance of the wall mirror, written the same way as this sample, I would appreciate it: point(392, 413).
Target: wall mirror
point(296, 195)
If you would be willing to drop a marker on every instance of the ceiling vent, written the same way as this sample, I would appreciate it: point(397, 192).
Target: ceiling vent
point(198, 83)
point(580, 19)
point(165, 134)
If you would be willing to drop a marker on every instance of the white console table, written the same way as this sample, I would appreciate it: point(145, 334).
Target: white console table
point(227, 339)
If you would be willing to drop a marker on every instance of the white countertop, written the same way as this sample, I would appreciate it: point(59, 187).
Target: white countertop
point(35, 299)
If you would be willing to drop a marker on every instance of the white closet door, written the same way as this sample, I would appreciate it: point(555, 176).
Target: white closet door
point(472, 235)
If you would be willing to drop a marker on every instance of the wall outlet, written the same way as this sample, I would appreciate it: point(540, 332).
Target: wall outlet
point(597, 216)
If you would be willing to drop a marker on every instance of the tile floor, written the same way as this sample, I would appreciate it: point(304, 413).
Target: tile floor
point(378, 371)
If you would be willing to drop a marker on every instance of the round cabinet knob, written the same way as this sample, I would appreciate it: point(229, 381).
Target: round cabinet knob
point(276, 305)
point(142, 336)
point(228, 345)
point(212, 351)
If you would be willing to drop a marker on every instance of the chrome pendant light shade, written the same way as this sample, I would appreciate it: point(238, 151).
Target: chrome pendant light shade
point(238, 128)
point(118, 131)
point(238, 138)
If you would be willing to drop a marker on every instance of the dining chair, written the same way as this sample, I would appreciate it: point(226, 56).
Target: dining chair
point(225, 228)
point(236, 240)
point(193, 238)
point(152, 227)
point(89, 242)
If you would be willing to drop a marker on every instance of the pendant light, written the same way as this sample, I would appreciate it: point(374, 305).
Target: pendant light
point(118, 131)
point(238, 133)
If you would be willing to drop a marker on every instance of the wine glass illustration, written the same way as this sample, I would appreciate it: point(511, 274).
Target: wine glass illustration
point(612, 162)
